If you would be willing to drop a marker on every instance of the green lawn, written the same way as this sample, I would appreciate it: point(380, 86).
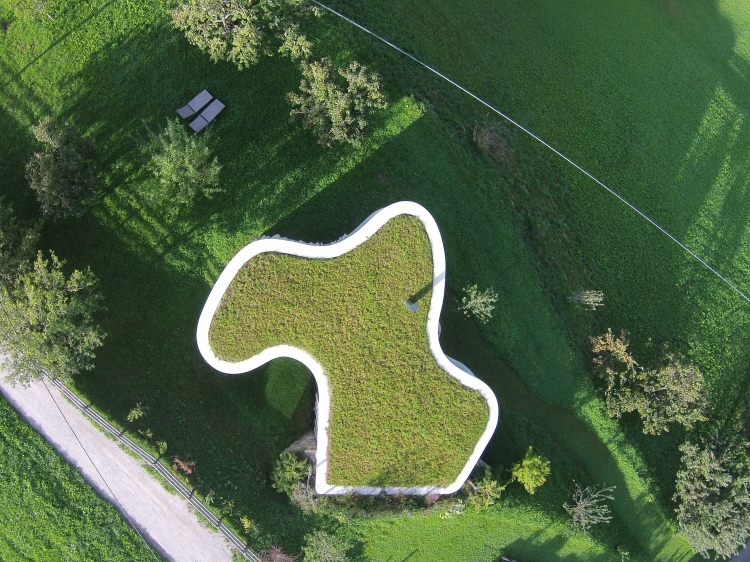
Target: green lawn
point(650, 97)
point(396, 418)
point(47, 511)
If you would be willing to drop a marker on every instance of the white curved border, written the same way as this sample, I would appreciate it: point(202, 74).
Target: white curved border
point(347, 243)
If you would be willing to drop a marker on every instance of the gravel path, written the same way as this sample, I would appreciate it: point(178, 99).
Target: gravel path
point(166, 520)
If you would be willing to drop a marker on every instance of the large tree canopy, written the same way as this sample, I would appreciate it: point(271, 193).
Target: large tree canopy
point(669, 392)
point(47, 323)
point(713, 492)
point(241, 31)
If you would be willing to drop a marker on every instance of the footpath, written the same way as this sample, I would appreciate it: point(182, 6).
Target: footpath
point(167, 521)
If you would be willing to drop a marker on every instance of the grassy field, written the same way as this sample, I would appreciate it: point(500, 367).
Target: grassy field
point(650, 97)
point(397, 419)
point(47, 511)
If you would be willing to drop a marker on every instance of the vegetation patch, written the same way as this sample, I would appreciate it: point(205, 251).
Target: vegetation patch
point(397, 419)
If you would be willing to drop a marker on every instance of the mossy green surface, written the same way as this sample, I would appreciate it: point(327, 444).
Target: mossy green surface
point(397, 419)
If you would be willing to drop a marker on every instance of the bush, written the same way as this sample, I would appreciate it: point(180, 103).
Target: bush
point(486, 491)
point(322, 547)
point(62, 175)
point(531, 472)
point(334, 104)
point(288, 471)
point(183, 168)
point(48, 322)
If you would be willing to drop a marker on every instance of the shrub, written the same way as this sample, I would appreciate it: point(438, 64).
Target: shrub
point(486, 491)
point(183, 168)
point(48, 323)
point(275, 554)
point(288, 471)
point(492, 139)
point(589, 300)
point(334, 104)
point(62, 175)
point(137, 412)
point(322, 547)
point(531, 472)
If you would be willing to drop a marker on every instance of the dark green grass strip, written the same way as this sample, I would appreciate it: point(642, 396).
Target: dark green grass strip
point(396, 419)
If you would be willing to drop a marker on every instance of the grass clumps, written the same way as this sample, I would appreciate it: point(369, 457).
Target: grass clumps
point(396, 418)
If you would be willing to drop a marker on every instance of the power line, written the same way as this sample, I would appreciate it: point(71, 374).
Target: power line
point(544, 143)
point(41, 373)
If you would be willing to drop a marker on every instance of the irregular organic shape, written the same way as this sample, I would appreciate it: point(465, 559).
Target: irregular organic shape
point(394, 413)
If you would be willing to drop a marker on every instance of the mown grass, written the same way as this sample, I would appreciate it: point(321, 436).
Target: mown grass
point(47, 510)
point(396, 418)
point(637, 122)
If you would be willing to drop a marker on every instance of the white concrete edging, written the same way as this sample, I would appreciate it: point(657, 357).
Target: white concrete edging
point(347, 243)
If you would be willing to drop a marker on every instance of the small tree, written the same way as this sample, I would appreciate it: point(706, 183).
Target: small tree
point(322, 547)
point(479, 304)
point(241, 31)
point(62, 175)
point(589, 300)
point(713, 493)
point(47, 322)
point(287, 471)
point(334, 104)
point(17, 243)
point(183, 168)
point(531, 472)
point(588, 507)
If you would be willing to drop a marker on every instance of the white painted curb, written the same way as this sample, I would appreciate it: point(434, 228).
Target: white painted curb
point(347, 243)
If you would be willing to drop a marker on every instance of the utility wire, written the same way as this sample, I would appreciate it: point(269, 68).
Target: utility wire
point(544, 143)
point(41, 373)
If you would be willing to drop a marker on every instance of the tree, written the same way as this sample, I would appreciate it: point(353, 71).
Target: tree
point(182, 167)
point(588, 507)
point(671, 392)
point(479, 304)
point(335, 103)
point(137, 412)
point(322, 547)
point(713, 493)
point(62, 175)
point(287, 471)
point(241, 31)
point(531, 472)
point(588, 299)
point(17, 243)
point(47, 322)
